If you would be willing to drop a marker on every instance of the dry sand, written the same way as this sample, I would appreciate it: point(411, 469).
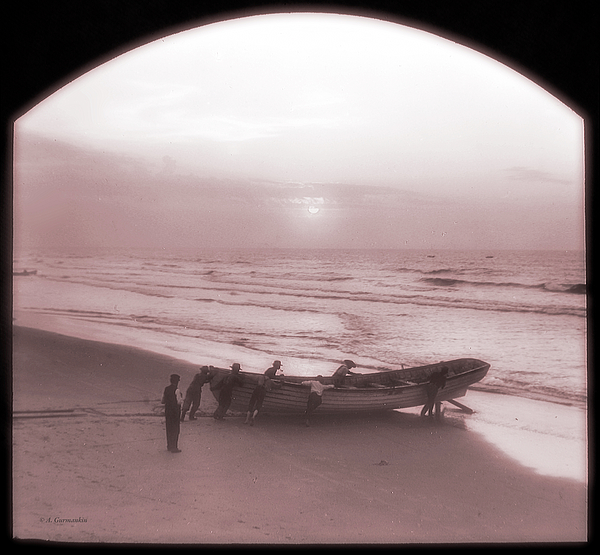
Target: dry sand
point(382, 478)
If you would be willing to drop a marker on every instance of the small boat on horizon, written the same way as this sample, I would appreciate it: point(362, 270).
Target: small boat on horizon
point(25, 273)
point(368, 392)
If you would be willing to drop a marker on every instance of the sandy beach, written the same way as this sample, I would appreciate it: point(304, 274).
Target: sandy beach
point(90, 465)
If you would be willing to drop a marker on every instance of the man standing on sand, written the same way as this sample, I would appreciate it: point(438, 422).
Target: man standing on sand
point(315, 397)
point(437, 381)
point(172, 400)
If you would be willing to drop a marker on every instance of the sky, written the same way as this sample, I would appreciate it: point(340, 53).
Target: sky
point(301, 131)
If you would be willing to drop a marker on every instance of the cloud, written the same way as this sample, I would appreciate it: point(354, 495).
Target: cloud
point(70, 196)
point(520, 173)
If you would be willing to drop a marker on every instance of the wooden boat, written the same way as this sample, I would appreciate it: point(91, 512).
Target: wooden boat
point(374, 391)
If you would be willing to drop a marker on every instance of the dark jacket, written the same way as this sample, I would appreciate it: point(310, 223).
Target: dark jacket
point(169, 399)
point(438, 379)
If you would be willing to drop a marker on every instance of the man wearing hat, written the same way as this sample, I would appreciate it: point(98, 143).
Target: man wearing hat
point(340, 373)
point(229, 382)
point(270, 373)
point(172, 399)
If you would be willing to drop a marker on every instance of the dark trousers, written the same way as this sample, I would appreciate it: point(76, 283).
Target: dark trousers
point(314, 400)
point(172, 424)
point(192, 401)
point(257, 398)
point(432, 391)
point(224, 403)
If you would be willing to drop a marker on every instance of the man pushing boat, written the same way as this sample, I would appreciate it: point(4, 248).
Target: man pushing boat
point(315, 397)
point(437, 381)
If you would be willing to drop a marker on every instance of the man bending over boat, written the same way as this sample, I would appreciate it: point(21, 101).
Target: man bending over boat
point(227, 385)
point(193, 395)
point(315, 397)
point(340, 374)
point(437, 381)
point(271, 372)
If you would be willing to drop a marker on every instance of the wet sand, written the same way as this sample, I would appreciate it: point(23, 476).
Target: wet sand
point(100, 460)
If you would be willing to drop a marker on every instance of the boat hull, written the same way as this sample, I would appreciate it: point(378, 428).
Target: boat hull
point(394, 389)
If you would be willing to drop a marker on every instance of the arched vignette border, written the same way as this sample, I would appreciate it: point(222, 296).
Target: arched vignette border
point(52, 43)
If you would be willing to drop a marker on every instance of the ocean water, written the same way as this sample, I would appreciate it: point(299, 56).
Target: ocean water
point(524, 312)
